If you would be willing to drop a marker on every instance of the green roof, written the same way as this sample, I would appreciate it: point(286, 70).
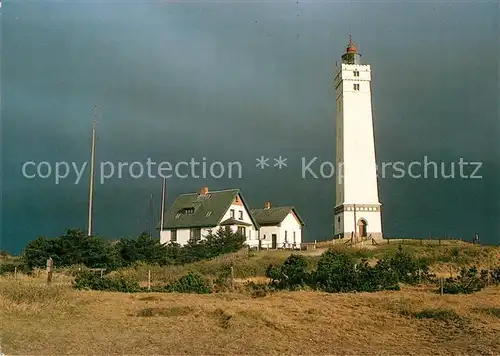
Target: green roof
point(207, 210)
point(274, 216)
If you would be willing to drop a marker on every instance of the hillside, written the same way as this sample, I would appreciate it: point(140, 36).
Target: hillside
point(37, 319)
point(410, 322)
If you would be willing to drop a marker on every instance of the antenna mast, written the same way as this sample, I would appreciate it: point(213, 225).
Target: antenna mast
point(163, 193)
point(91, 186)
point(152, 210)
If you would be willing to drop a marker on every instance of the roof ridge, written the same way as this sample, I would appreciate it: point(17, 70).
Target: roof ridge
point(211, 191)
point(275, 207)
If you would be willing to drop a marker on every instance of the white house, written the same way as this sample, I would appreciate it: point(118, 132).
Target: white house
point(193, 215)
point(280, 227)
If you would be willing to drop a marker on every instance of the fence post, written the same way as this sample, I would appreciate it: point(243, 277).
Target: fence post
point(149, 280)
point(441, 279)
point(50, 267)
point(102, 270)
point(15, 272)
point(451, 273)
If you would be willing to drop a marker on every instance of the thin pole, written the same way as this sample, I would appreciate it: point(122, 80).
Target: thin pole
point(162, 204)
point(355, 235)
point(91, 187)
point(151, 219)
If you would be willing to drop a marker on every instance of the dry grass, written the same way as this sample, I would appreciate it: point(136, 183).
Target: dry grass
point(56, 320)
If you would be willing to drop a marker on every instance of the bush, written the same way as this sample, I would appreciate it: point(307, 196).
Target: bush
point(380, 277)
point(91, 281)
point(10, 268)
point(292, 274)
point(335, 272)
point(468, 281)
point(222, 282)
point(408, 269)
point(495, 275)
point(74, 247)
point(191, 283)
point(258, 290)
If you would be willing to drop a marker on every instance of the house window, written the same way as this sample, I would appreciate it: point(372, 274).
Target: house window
point(189, 211)
point(356, 73)
point(338, 219)
point(264, 237)
point(232, 213)
point(356, 87)
point(241, 230)
point(173, 235)
point(286, 237)
point(294, 240)
point(195, 234)
point(241, 215)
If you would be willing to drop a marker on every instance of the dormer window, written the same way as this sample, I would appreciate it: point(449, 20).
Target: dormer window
point(189, 211)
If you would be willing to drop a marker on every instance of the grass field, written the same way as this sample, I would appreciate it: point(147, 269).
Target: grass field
point(57, 320)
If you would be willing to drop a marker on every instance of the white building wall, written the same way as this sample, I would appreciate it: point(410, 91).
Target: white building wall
point(183, 235)
point(356, 178)
point(288, 226)
point(250, 230)
point(266, 233)
point(372, 218)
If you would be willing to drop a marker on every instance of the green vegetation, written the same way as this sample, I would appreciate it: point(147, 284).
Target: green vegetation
point(469, 281)
point(337, 271)
point(76, 248)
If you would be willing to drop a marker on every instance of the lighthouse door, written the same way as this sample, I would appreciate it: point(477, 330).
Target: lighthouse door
point(362, 228)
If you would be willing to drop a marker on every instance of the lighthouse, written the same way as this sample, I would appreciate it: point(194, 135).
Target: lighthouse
point(357, 211)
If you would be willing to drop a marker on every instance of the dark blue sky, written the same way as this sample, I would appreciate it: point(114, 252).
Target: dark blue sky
point(234, 81)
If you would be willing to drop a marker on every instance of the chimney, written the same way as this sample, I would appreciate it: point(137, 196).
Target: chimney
point(204, 191)
point(267, 205)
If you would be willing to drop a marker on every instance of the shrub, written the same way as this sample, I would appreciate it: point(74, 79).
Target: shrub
point(222, 282)
point(258, 290)
point(408, 269)
point(74, 247)
point(292, 274)
point(89, 280)
point(468, 281)
point(335, 272)
point(495, 275)
point(380, 277)
point(191, 283)
point(10, 268)
point(446, 315)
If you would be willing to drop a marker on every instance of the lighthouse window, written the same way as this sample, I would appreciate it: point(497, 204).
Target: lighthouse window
point(356, 86)
point(356, 73)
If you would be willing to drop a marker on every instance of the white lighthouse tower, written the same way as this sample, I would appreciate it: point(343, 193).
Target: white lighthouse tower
point(357, 208)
